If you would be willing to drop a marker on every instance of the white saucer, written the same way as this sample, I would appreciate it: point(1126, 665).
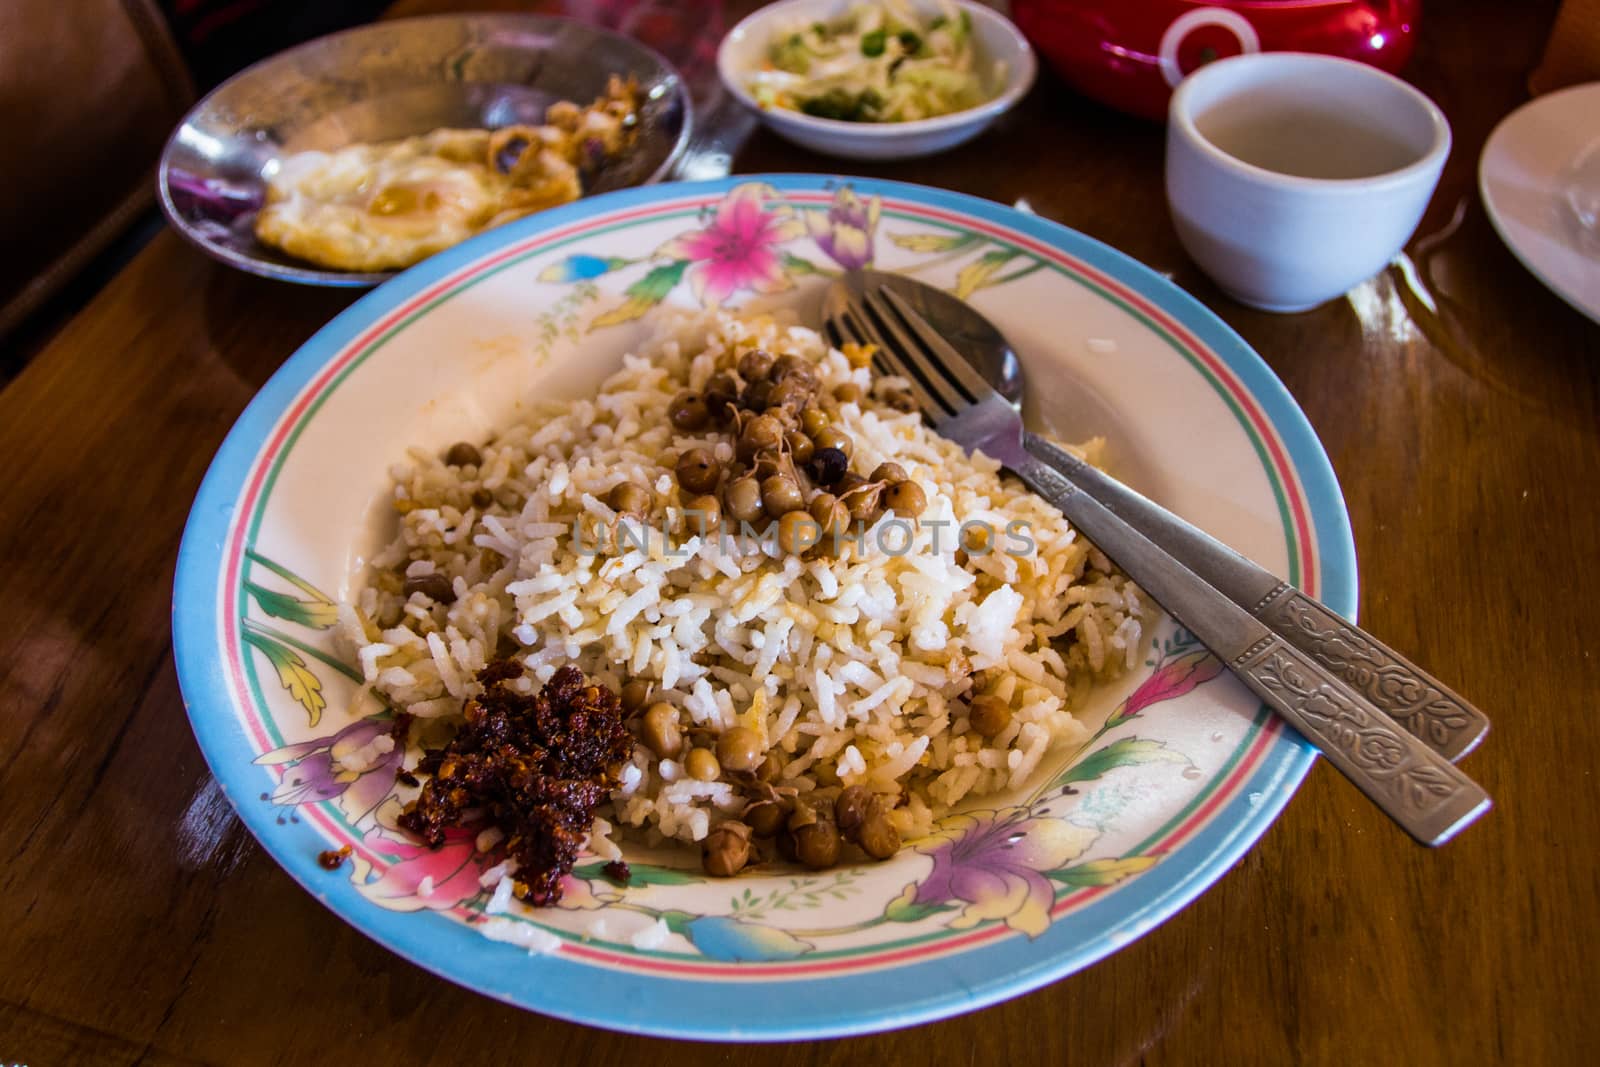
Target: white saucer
point(1540, 178)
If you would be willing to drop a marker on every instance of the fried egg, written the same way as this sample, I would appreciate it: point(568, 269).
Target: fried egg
point(375, 207)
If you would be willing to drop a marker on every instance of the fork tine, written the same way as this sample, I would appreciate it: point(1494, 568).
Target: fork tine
point(952, 362)
point(919, 366)
point(836, 336)
point(855, 323)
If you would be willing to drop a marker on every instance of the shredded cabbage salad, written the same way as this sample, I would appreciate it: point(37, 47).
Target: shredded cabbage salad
point(881, 62)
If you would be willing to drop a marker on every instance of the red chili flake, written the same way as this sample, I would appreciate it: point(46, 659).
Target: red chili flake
point(535, 766)
point(333, 858)
point(618, 872)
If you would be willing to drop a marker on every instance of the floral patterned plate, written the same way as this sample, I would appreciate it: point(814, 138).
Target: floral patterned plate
point(1184, 772)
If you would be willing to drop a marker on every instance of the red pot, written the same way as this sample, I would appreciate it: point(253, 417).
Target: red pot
point(1130, 53)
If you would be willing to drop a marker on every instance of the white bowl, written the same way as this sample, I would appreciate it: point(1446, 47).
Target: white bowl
point(744, 48)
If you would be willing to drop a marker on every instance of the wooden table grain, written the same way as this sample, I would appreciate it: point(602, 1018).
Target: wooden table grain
point(1458, 399)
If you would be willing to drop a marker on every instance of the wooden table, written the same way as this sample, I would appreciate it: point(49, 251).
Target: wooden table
point(140, 922)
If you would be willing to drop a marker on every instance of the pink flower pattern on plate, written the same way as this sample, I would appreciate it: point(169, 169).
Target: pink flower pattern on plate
point(739, 247)
point(1171, 680)
point(421, 877)
point(446, 877)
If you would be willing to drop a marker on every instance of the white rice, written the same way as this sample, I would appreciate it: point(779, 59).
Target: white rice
point(653, 936)
point(361, 760)
point(855, 669)
point(538, 941)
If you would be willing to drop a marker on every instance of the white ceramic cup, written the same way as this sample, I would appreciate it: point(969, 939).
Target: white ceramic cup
point(1293, 177)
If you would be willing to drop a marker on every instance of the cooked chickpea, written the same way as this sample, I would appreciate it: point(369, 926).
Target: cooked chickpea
point(800, 446)
point(739, 749)
point(726, 849)
point(698, 470)
point(890, 472)
point(702, 765)
point(813, 421)
point(702, 515)
point(722, 393)
point(790, 393)
point(817, 845)
point(975, 540)
point(789, 365)
point(435, 587)
point(989, 715)
point(847, 393)
point(864, 502)
point(755, 364)
point(853, 807)
point(780, 494)
point(757, 395)
point(635, 695)
point(899, 397)
point(765, 817)
point(877, 837)
point(743, 499)
point(463, 454)
point(796, 370)
point(906, 499)
point(766, 464)
point(759, 434)
point(831, 515)
point(797, 531)
point(629, 498)
point(771, 767)
point(821, 507)
point(828, 437)
point(688, 412)
point(660, 731)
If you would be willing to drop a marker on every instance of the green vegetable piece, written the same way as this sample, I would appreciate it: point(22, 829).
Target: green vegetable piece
point(910, 42)
point(833, 104)
point(791, 55)
point(844, 106)
point(873, 44)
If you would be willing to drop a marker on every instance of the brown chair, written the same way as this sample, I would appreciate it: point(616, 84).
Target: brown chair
point(89, 90)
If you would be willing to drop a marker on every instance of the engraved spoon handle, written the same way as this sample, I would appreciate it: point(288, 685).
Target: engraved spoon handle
point(1417, 787)
point(1407, 693)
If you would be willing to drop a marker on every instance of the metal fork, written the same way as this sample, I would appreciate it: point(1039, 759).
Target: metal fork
point(1417, 787)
